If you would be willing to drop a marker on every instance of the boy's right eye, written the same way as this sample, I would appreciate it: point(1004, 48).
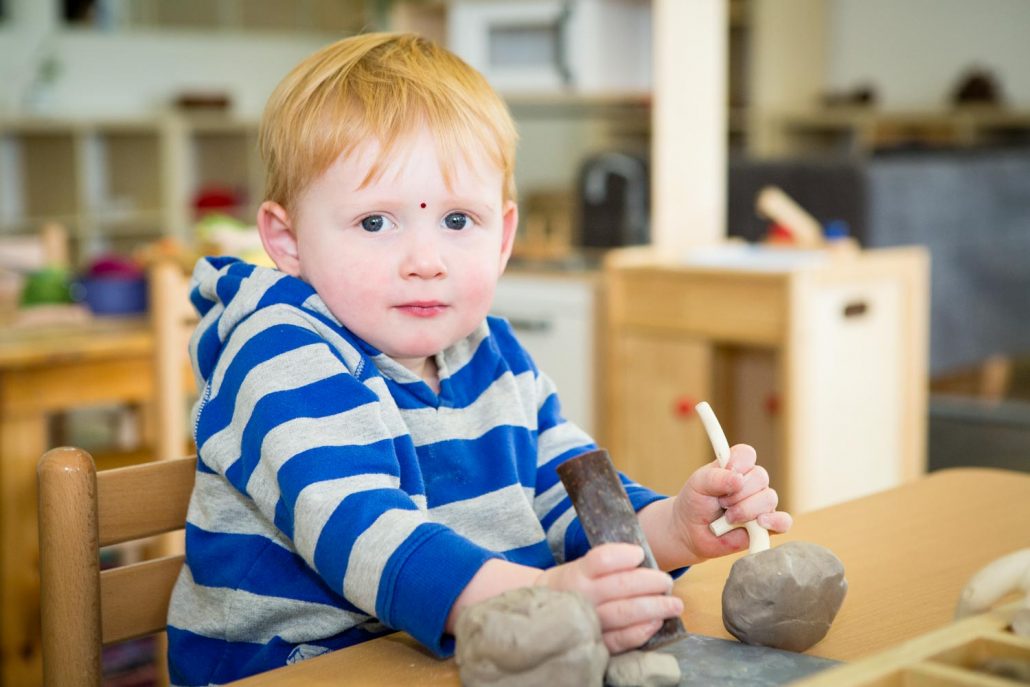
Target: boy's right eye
point(374, 223)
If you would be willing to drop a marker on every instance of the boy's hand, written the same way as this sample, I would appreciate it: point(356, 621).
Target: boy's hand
point(741, 489)
point(631, 601)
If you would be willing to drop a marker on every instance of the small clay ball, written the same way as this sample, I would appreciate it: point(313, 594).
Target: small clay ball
point(530, 636)
point(785, 597)
point(643, 669)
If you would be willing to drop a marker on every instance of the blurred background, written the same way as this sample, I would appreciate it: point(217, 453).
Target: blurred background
point(128, 136)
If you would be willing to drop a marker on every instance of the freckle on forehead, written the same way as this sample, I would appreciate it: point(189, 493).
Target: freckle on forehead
point(422, 205)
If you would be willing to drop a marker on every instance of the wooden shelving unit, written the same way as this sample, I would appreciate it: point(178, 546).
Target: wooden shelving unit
point(119, 183)
point(862, 129)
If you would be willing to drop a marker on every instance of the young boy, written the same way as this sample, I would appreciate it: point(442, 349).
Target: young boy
point(374, 452)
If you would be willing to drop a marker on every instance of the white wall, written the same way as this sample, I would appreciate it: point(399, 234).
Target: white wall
point(136, 72)
point(911, 51)
point(914, 51)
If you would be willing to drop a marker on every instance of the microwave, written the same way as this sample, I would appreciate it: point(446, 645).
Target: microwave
point(540, 46)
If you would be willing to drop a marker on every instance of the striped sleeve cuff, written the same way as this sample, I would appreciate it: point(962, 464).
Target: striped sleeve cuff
point(424, 584)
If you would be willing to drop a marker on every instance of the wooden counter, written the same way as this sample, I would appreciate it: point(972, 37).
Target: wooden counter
point(907, 552)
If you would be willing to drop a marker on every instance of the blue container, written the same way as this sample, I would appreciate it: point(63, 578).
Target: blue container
point(115, 295)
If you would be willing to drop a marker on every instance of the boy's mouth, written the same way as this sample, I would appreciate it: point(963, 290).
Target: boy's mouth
point(422, 308)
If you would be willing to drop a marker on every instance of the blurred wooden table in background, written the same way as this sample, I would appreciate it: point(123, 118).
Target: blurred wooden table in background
point(46, 370)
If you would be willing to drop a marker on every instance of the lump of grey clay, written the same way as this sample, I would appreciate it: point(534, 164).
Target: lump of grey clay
point(785, 597)
point(530, 636)
point(642, 669)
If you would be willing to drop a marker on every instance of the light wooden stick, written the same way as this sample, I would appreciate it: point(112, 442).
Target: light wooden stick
point(772, 203)
point(758, 536)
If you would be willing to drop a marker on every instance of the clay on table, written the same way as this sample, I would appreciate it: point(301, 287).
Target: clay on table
point(643, 669)
point(785, 597)
point(531, 636)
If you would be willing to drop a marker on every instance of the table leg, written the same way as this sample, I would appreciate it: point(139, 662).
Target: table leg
point(23, 437)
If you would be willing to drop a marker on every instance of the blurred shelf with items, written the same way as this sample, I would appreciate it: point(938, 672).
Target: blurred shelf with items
point(328, 16)
point(118, 184)
point(861, 130)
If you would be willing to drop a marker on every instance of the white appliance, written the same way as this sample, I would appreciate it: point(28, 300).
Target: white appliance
point(583, 46)
point(554, 319)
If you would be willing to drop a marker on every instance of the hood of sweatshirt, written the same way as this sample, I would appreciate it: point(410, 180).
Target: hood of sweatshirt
point(226, 291)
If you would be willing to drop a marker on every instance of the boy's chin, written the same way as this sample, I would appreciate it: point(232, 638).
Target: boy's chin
point(425, 346)
point(420, 351)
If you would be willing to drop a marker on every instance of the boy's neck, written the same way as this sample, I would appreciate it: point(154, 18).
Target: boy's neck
point(426, 369)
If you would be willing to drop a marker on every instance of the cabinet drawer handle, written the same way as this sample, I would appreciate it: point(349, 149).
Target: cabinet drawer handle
point(683, 406)
point(855, 309)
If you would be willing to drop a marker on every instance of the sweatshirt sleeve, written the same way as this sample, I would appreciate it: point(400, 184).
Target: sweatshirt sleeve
point(300, 430)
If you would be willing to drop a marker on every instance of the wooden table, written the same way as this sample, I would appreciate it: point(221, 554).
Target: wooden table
point(42, 371)
point(907, 552)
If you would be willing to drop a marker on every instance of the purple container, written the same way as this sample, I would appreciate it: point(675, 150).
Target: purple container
point(114, 294)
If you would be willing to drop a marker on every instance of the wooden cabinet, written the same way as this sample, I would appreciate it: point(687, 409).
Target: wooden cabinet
point(817, 358)
point(656, 379)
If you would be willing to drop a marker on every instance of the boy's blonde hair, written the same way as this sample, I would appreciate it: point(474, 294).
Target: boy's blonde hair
point(380, 86)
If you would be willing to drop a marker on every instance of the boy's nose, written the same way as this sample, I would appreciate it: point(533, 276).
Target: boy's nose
point(423, 258)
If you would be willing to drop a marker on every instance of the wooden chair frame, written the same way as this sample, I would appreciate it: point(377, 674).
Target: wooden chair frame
point(173, 319)
point(80, 511)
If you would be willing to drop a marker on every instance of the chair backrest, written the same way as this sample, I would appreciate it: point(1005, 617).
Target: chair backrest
point(173, 319)
point(81, 510)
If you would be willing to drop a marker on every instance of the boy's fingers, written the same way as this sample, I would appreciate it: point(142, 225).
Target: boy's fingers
point(712, 480)
point(754, 481)
point(631, 583)
point(778, 521)
point(742, 458)
point(752, 507)
point(609, 558)
point(628, 638)
point(623, 613)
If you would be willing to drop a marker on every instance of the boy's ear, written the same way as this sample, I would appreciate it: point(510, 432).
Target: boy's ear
point(509, 223)
point(278, 237)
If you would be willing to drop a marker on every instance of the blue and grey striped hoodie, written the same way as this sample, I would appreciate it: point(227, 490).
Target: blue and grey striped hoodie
point(338, 497)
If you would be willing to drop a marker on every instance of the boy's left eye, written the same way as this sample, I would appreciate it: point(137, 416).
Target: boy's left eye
point(376, 223)
point(457, 220)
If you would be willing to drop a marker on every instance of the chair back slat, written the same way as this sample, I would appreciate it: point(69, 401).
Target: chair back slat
point(126, 501)
point(134, 598)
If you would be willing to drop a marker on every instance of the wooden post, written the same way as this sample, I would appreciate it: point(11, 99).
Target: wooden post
point(71, 616)
point(688, 150)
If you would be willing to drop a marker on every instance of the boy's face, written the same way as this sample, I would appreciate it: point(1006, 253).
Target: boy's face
point(406, 263)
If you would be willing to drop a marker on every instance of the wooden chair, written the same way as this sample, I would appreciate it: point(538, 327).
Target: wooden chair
point(173, 319)
point(80, 511)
